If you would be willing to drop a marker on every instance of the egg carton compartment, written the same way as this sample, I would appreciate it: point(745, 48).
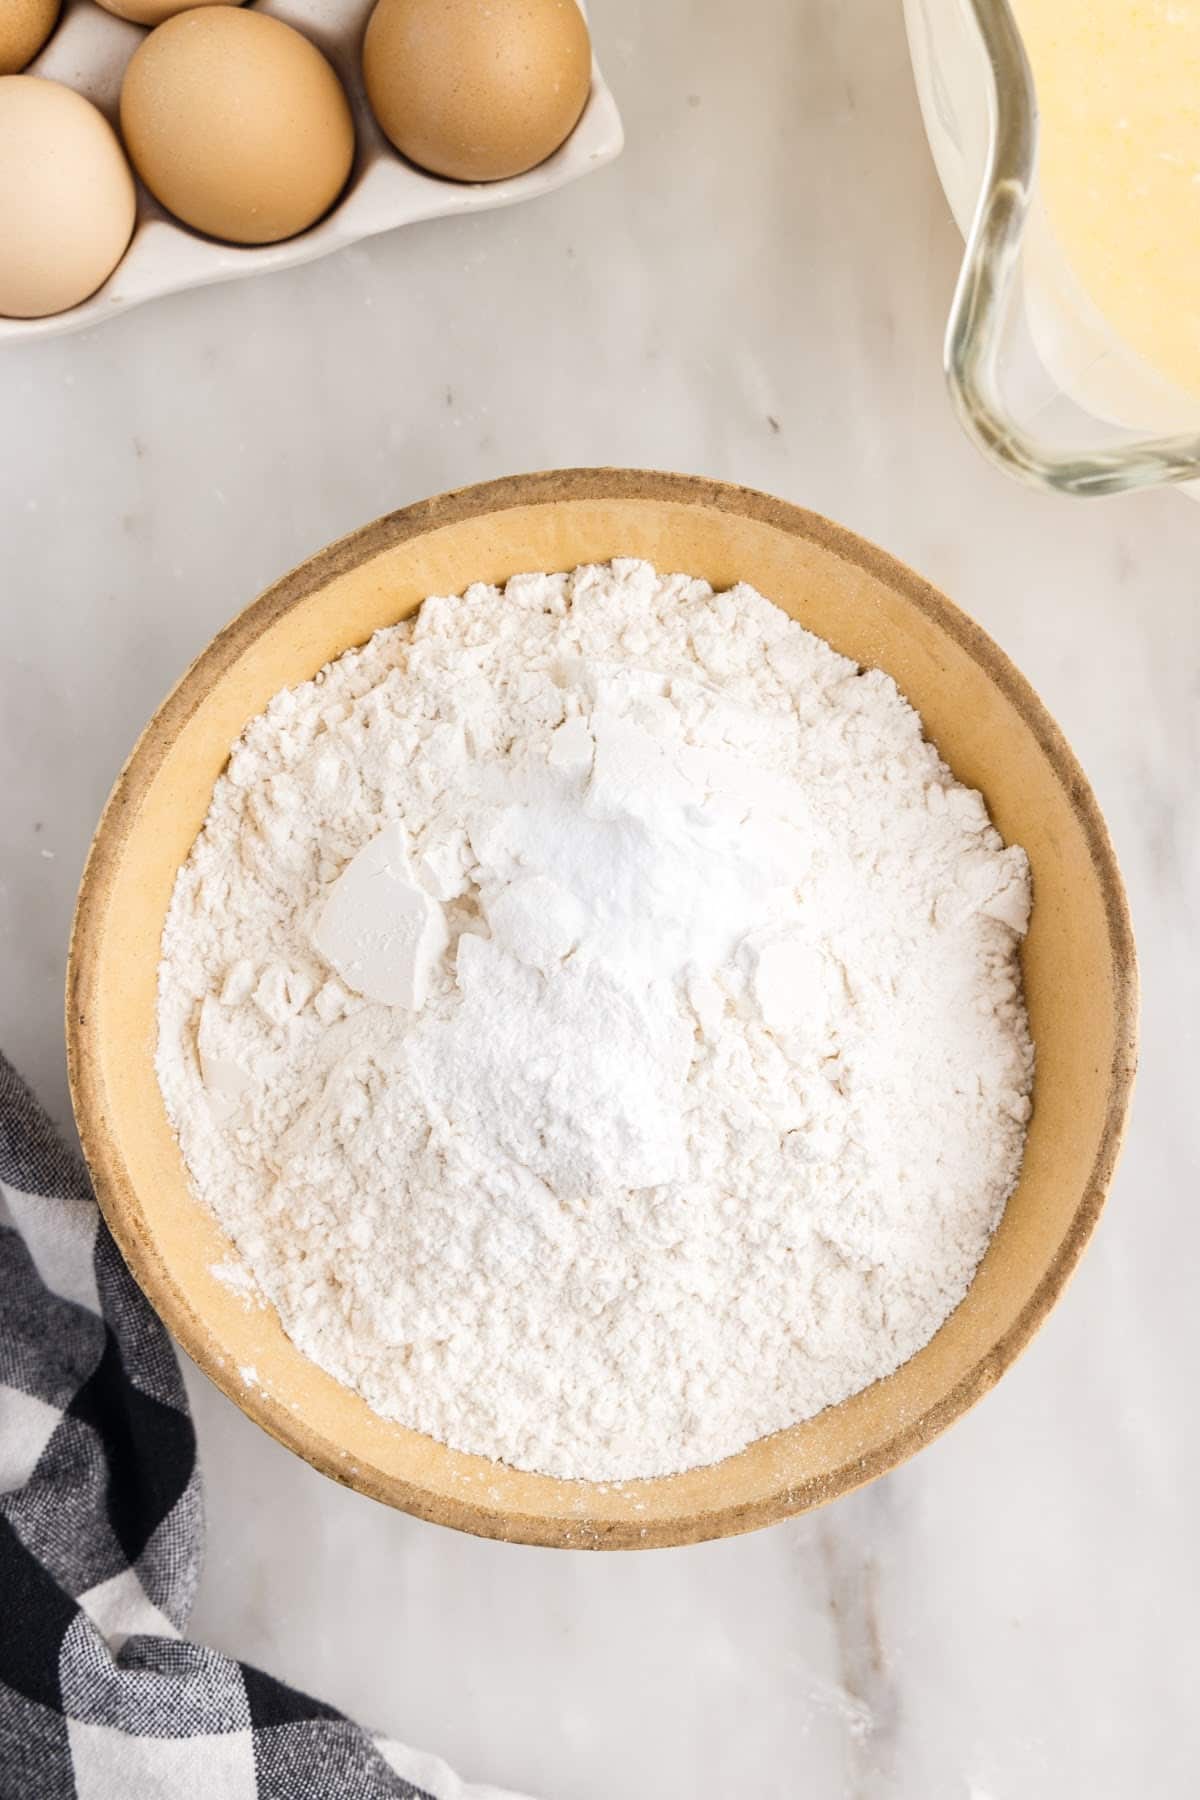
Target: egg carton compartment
point(89, 51)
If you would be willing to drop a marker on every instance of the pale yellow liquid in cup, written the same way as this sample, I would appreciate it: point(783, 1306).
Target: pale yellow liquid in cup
point(1118, 85)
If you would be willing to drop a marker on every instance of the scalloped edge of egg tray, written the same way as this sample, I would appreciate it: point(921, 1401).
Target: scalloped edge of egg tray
point(89, 52)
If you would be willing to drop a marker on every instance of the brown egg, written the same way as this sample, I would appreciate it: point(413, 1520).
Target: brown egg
point(477, 92)
point(153, 12)
point(237, 124)
point(24, 27)
point(66, 198)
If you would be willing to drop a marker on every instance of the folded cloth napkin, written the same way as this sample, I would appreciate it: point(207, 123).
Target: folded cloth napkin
point(101, 1528)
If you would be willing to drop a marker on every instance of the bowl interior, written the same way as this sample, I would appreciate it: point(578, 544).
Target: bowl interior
point(1078, 960)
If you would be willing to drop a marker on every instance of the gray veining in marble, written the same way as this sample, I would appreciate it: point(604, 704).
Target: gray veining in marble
point(755, 291)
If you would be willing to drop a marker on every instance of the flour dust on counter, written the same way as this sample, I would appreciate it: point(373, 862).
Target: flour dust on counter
point(593, 1011)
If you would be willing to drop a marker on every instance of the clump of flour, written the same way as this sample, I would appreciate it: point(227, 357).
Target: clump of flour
point(593, 1011)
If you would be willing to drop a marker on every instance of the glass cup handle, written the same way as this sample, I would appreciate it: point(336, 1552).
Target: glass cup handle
point(986, 294)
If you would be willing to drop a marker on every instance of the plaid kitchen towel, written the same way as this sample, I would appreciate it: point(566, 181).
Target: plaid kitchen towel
point(101, 1525)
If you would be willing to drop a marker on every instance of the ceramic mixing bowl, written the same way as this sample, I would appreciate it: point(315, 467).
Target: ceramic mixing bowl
point(1079, 966)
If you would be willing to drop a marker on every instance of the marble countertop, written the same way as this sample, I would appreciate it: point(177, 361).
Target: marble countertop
point(756, 291)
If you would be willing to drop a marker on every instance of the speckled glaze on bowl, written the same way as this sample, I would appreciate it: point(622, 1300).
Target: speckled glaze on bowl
point(1079, 963)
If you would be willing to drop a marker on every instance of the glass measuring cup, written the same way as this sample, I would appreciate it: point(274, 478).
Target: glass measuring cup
point(1040, 380)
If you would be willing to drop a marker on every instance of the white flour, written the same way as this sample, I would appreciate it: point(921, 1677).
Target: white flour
point(687, 1070)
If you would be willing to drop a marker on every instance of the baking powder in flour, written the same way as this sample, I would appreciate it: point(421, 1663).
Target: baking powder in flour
point(593, 1011)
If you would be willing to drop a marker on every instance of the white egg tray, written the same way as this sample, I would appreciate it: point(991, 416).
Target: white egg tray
point(89, 51)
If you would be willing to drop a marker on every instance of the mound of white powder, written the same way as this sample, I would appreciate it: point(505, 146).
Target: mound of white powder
point(593, 1011)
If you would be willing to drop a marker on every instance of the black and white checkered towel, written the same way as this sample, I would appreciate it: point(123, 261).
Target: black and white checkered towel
point(101, 1524)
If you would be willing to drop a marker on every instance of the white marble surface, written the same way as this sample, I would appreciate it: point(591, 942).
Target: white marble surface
point(755, 291)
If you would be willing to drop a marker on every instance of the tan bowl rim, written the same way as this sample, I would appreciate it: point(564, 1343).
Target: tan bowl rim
point(103, 1155)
